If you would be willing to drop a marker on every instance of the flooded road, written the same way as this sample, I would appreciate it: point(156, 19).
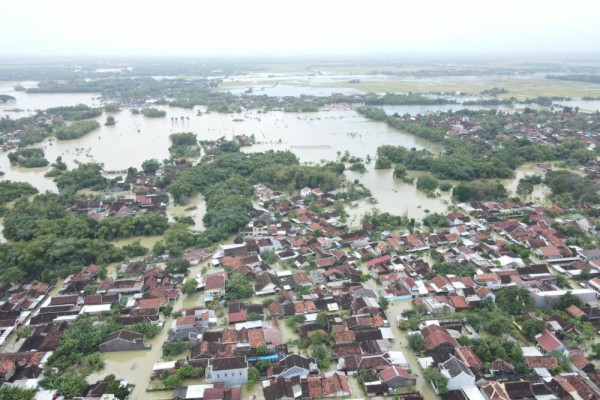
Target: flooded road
point(136, 366)
point(400, 342)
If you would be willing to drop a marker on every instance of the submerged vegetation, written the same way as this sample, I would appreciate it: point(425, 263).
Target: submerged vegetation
point(75, 130)
point(28, 158)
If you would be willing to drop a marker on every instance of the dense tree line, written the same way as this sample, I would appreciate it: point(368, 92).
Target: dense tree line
point(479, 190)
point(85, 176)
point(184, 144)
point(10, 191)
point(75, 130)
point(74, 113)
point(590, 78)
point(153, 112)
point(28, 158)
point(571, 188)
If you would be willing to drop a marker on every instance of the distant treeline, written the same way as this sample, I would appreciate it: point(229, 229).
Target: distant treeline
point(591, 78)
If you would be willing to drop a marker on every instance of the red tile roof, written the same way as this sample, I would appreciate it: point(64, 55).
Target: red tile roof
point(395, 371)
point(229, 336)
point(215, 281)
point(579, 361)
point(541, 362)
point(548, 341)
point(236, 317)
point(378, 260)
point(438, 338)
point(469, 358)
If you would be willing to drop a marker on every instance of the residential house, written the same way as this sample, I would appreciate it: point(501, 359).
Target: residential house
point(395, 377)
point(294, 365)
point(457, 373)
point(494, 390)
point(232, 371)
point(547, 342)
point(214, 285)
point(123, 340)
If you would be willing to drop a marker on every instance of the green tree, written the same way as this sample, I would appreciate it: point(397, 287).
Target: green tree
point(434, 375)
point(566, 300)
point(426, 183)
point(514, 300)
point(177, 265)
point(189, 287)
point(174, 348)
point(532, 327)
point(263, 366)
point(24, 331)
point(167, 310)
point(253, 376)
point(399, 171)
point(383, 163)
point(12, 275)
point(322, 320)
point(71, 385)
point(269, 257)
point(172, 381)
point(383, 303)
point(237, 288)
point(150, 166)
point(16, 393)
point(416, 342)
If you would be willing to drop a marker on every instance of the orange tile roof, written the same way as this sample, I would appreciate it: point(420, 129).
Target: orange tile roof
point(150, 303)
point(256, 337)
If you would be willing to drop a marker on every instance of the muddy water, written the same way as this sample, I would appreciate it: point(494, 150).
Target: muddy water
point(539, 191)
point(313, 137)
point(195, 208)
point(394, 196)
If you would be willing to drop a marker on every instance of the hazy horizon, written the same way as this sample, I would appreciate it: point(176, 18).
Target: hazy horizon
point(271, 29)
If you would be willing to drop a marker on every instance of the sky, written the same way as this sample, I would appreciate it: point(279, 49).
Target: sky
point(307, 27)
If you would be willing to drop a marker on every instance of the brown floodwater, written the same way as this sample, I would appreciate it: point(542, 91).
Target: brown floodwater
point(313, 137)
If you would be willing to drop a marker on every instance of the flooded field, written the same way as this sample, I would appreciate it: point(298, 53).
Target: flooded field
point(27, 103)
point(195, 208)
point(539, 191)
point(394, 196)
point(313, 137)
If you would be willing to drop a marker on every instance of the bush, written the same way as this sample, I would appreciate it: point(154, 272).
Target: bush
point(253, 376)
point(153, 113)
point(177, 265)
point(416, 342)
point(174, 348)
point(445, 186)
point(383, 163)
point(426, 183)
